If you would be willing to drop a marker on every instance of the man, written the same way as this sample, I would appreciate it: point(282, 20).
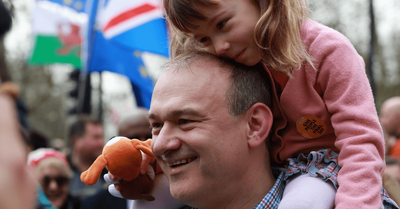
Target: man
point(86, 137)
point(135, 125)
point(209, 134)
point(390, 119)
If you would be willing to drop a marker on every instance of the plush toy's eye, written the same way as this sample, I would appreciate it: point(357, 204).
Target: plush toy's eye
point(114, 140)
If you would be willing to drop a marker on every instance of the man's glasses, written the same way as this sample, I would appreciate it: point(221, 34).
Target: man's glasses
point(60, 180)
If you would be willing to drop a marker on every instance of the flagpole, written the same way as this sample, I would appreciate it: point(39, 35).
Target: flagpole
point(89, 36)
point(90, 33)
point(123, 27)
point(370, 61)
point(100, 116)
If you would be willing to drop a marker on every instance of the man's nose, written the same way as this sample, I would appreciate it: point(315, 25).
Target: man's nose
point(166, 141)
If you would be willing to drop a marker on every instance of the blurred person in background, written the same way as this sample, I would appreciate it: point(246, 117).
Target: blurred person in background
point(390, 141)
point(18, 185)
point(37, 140)
point(391, 178)
point(393, 168)
point(52, 171)
point(390, 120)
point(59, 145)
point(86, 137)
point(41, 202)
point(133, 126)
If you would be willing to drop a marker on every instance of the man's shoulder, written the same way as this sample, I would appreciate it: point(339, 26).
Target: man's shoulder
point(74, 169)
point(82, 190)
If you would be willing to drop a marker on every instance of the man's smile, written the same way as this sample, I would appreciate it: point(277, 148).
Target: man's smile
point(181, 162)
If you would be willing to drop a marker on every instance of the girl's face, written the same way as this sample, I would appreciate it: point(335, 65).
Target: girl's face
point(228, 30)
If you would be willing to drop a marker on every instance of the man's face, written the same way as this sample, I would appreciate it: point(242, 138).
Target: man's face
point(197, 143)
point(90, 145)
point(390, 116)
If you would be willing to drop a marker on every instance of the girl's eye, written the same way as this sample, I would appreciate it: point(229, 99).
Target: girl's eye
point(220, 25)
point(204, 39)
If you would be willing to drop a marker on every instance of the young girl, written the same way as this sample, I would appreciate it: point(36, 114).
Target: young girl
point(323, 103)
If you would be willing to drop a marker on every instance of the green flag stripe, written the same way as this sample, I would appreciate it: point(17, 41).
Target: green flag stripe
point(49, 50)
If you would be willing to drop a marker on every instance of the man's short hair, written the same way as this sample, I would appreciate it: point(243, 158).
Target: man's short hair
point(248, 84)
point(78, 128)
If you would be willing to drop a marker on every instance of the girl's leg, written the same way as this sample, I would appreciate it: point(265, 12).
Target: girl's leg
point(307, 192)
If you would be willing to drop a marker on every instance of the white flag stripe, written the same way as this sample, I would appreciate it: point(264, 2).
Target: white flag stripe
point(114, 8)
point(46, 16)
point(132, 23)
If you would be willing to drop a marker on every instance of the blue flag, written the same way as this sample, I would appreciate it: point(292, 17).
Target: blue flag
point(106, 56)
point(118, 31)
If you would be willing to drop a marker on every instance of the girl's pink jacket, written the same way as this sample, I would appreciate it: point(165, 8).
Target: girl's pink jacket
point(340, 95)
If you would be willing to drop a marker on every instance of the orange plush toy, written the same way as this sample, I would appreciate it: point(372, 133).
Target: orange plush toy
point(123, 157)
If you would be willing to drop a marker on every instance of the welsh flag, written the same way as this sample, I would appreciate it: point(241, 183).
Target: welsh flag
point(56, 32)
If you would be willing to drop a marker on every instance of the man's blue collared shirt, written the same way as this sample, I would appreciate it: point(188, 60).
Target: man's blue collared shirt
point(274, 196)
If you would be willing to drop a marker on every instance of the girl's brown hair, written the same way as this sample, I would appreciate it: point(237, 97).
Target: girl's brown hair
point(277, 32)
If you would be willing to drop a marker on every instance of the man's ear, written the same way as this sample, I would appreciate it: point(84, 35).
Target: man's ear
point(259, 124)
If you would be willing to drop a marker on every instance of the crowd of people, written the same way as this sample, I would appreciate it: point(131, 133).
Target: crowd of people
point(254, 110)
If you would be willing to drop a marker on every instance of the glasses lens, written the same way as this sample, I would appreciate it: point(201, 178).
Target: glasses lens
point(46, 181)
point(60, 180)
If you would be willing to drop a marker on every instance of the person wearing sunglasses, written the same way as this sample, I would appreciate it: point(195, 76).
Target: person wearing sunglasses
point(52, 171)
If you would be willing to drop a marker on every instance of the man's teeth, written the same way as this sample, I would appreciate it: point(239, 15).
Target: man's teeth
point(180, 162)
